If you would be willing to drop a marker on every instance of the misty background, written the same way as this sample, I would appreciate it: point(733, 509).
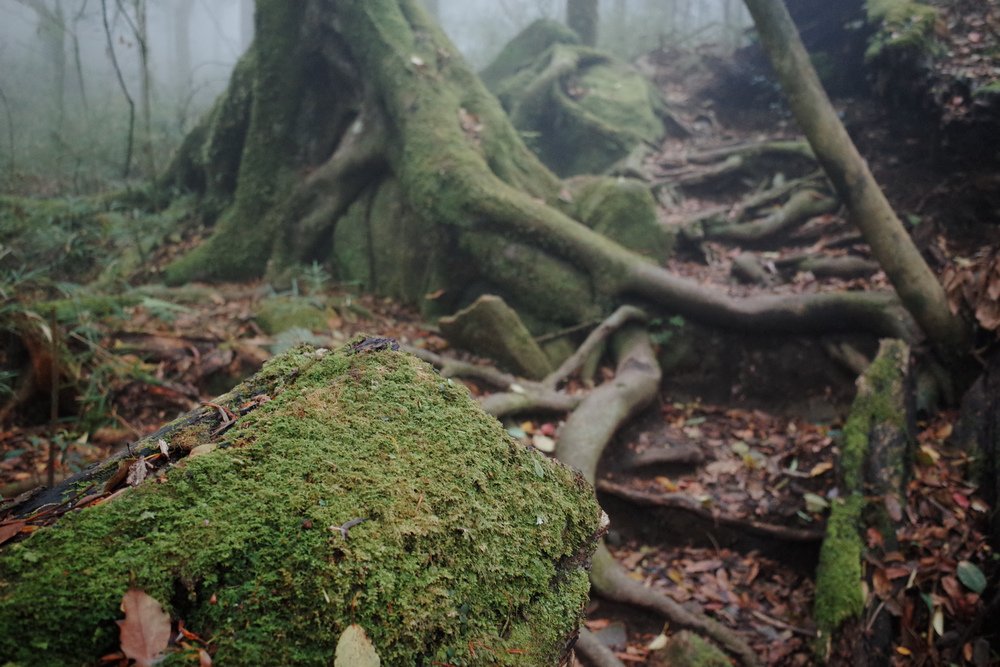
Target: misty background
point(74, 74)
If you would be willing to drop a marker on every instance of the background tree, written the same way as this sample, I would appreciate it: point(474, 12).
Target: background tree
point(583, 17)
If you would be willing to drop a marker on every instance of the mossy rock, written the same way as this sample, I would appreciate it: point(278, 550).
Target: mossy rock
point(282, 313)
point(581, 110)
point(623, 209)
point(522, 51)
point(900, 26)
point(471, 541)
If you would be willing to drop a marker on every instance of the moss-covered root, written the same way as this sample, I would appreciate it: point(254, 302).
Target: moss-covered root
point(875, 451)
point(472, 550)
point(583, 439)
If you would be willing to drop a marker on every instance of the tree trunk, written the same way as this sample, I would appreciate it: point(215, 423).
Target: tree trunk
point(182, 47)
point(358, 136)
point(145, 84)
point(583, 17)
point(916, 284)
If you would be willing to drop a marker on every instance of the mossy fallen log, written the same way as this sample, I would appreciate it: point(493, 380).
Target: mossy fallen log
point(473, 549)
point(875, 453)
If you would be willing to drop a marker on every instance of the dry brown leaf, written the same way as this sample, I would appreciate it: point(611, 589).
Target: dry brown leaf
point(145, 632)
point(9, 530)
point(137, 472)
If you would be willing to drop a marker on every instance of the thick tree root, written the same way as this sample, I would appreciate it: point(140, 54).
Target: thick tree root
point(800, 208)
point(581, 442)
point(594, 652)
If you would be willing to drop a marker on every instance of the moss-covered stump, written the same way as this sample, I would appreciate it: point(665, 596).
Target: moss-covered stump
point(472, 551)
point(581, 109)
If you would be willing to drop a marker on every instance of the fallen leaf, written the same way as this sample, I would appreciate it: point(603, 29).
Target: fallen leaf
point(971, 576)
point(815, 503)
point(164, 449)
point(145, 632)
point(820, 468)
point(137, 472)
point(354, 649)
point(9, 530)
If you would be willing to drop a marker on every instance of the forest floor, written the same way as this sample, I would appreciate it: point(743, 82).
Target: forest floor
point(718, 504)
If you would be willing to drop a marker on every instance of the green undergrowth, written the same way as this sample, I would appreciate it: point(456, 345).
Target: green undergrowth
point(901, 25)
point(471, 552)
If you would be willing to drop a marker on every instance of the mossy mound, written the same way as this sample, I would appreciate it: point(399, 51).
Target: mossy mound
point(473, 550)
point(622, 209)
point(522, 51)
point(580, 109)
point(282, 313)
point(900, 26)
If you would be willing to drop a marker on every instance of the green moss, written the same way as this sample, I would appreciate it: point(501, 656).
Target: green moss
point(521, 52)
point(687, 649)
point(839, 595)
point(621, 209)
point(901, 25)
point(471, 540)
point(584, 109)
point(569, 297)
point(988, 90)
point(282, 313)
point(245, 234)
point(877, 402)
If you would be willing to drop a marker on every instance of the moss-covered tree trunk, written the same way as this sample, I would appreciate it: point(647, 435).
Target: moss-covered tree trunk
point(353, 132)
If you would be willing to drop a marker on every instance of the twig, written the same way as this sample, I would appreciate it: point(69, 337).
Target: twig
point(781, 624)
point(343, 529)
point(604, 330)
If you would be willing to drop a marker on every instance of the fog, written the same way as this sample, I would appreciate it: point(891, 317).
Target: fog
point(65, 109)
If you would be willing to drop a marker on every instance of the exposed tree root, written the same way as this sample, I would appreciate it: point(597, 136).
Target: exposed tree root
point(594, 652)
point(594, 340)
point(801, 207)
point(685, 503)
point(581, 442)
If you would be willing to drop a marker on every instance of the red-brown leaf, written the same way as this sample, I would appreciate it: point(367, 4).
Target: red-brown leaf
point(9, 530)
point(145, 632)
